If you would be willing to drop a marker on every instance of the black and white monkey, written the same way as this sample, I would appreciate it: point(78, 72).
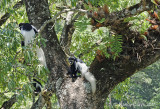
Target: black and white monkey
point(77, 65)
point(29, 31)
point(37, 87)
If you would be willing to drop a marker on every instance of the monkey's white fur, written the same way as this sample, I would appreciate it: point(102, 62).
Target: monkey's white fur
point(28, 38)
point(41, 56)
point(89, 76)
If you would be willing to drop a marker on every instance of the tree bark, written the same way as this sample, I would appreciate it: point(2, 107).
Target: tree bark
point(78, 95)
point(38, 12)
point(68, 29)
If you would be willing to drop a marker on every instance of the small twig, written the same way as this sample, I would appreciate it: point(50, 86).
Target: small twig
point(16, 54)
point(55, 17)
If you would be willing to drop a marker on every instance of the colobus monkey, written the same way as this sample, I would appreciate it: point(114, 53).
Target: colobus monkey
point(78, 65)
point(38, 87)
point(28, 31)
point(22, 43)
point(73, 71)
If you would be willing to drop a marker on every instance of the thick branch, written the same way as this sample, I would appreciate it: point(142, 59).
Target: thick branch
point(8, 104)
point(137, 54)
point(7, 14)
point(119, 16)
point(131, 51)
point(58, 14)
point(144, 5)
point(67, 33)
point(111, 19)
point(68, 28)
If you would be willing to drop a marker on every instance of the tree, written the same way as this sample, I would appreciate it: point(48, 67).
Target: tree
point(141, 90)
point(126, 52)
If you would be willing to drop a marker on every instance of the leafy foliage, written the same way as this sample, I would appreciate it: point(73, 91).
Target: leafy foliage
point(4, 4)
point(139, 23)
point(16, 76)
point(140, 91)
point(84, 38)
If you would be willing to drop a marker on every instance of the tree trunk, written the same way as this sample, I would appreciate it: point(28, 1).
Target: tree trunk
point(108, 73)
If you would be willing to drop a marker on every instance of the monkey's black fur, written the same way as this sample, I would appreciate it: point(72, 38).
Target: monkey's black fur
point(78, 66)
point(73, 71)
point(27, 27)
point(38, 87)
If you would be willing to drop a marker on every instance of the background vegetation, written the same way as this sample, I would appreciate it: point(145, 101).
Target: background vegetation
point(141, 91)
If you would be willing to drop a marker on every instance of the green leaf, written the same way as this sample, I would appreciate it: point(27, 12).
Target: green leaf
point(144, 37)
point(101, 21)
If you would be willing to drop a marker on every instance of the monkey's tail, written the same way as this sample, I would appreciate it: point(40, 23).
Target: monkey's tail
point(41, 56)
point(89, 76)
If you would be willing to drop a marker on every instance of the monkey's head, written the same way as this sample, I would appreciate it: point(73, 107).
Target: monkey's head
point(72, 60)
point(25, 26)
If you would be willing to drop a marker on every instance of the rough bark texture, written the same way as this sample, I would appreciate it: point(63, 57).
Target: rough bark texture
point(77, 95)
point(38, 12)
